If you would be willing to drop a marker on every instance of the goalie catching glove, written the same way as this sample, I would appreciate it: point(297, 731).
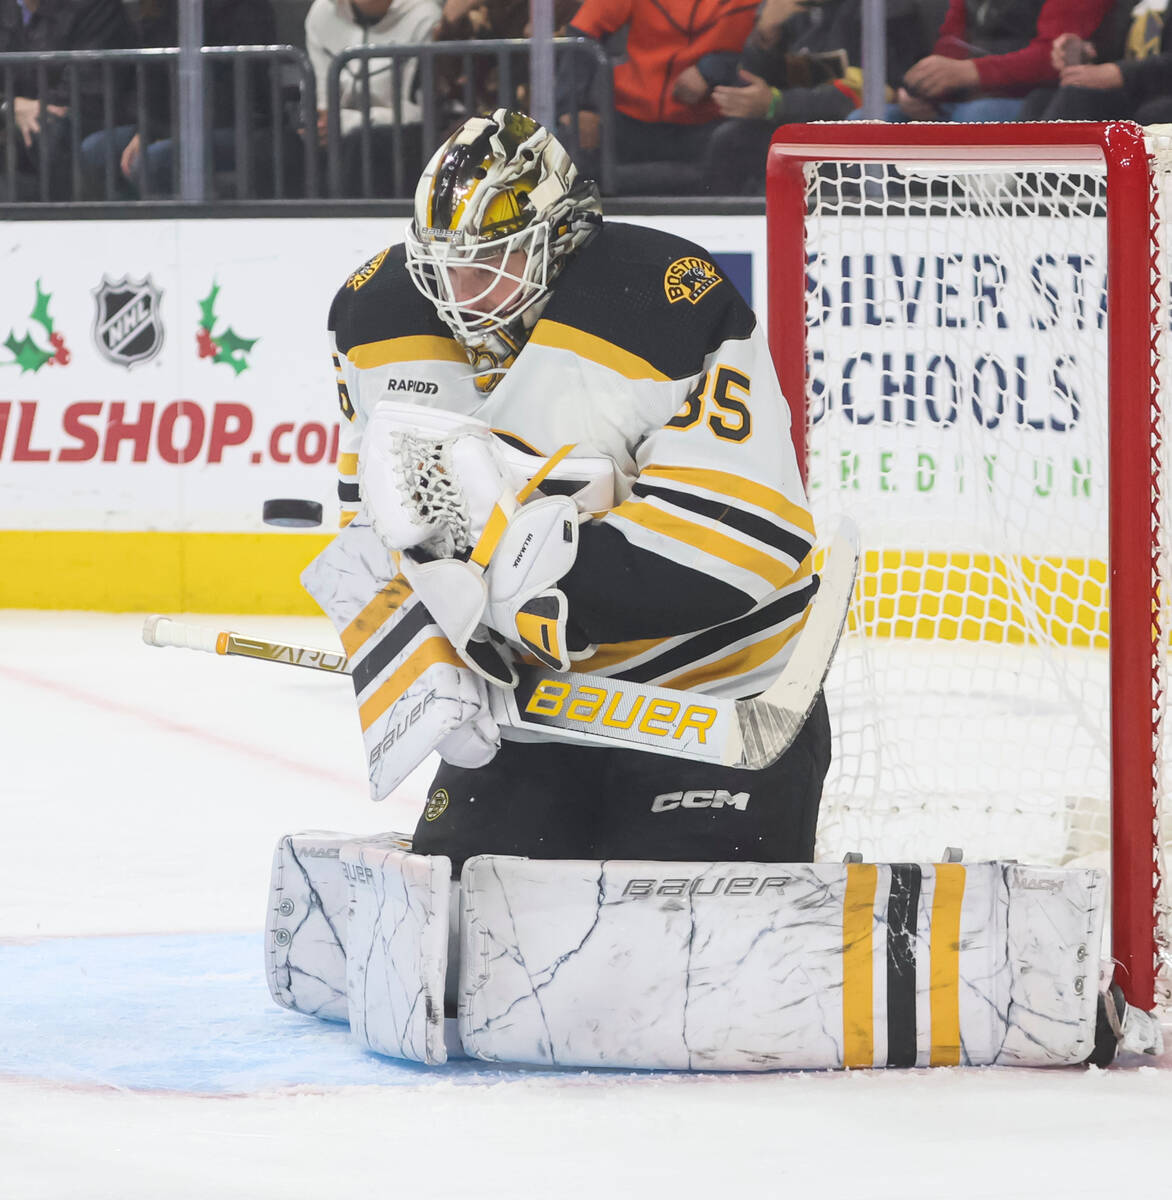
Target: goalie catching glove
point(430, 479)
point(439, 491)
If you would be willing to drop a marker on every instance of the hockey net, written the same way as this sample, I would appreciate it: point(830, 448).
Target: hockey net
point(984, 389)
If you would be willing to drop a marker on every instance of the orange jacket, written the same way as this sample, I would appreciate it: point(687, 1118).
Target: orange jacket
point(664, 37)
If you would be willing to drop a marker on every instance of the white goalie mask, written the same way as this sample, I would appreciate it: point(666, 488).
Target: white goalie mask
point(497, 211)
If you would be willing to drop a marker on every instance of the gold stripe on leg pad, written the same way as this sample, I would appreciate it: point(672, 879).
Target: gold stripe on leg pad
point(944, 971)
point(858, 999)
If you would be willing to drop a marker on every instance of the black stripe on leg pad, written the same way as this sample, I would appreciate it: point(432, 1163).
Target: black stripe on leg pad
point(902, 906)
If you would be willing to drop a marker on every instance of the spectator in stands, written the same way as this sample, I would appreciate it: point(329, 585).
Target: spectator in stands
point(800, 63)
point(43, 123)
point(332, 26)
point(1137, 86)
point(471, 20)
point(988, 56)
point(143, 162)
point(652, 126)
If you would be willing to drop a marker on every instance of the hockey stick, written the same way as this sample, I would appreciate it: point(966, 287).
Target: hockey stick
point(163, 631)
point(735, 733)
point(613, 712)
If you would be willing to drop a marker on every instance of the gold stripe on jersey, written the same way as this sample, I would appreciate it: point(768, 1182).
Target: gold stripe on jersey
point(738, 488)
point(423, 347)
point(345, 517)
point(858, 972)
point(747, 659)
point(565, 337)
point(944, 973)
point(372, 617)
point(348, 465)
point(707, 541)
point(434, 650)
point(610, 654)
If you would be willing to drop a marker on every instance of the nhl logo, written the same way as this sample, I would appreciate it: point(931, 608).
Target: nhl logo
point(127, 328)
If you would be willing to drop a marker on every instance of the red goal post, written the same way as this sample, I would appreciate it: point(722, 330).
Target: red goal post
point(946, 182)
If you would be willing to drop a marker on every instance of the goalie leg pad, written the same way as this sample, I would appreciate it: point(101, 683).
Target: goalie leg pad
point(749, 966)
point(397, 950)
point(305, 929)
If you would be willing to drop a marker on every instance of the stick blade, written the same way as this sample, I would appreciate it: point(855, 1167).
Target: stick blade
point(767, 731)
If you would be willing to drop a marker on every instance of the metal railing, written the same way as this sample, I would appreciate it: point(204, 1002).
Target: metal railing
point(288, 69)
point(509, 56)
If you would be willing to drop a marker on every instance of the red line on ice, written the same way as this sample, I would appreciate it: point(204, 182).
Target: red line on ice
point(106, 704)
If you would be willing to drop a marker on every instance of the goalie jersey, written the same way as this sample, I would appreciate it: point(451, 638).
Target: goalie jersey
point(700, 576)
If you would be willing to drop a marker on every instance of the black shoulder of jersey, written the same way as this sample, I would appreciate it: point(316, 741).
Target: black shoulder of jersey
point(652, 294)
point(379, 301)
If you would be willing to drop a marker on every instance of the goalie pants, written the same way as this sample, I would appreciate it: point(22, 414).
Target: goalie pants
point(565, 800)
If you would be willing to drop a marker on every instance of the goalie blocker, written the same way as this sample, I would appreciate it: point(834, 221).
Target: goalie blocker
point(730, 966)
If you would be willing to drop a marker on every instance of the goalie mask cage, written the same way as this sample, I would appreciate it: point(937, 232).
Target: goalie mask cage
point(983, 386)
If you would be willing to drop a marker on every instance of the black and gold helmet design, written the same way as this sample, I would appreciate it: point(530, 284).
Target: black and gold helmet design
point(497, 211)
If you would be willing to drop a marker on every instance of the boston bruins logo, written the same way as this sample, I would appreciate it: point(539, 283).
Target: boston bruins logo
point(367, 271)
point(436, 805)
point(689, 279)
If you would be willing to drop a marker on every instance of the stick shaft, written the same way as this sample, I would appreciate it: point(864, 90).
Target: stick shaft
point(163, 631)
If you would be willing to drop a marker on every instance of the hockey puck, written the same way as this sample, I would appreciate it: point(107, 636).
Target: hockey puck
point(292, 514)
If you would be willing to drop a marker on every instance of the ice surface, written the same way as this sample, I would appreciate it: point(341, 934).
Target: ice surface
point(142, 793)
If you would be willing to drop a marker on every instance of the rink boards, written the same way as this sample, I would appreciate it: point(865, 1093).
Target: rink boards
point(160, 379)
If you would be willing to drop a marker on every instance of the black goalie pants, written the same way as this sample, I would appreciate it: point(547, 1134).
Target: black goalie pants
point(565, 800)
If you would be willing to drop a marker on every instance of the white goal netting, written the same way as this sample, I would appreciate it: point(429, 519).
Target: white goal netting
point(958, 397)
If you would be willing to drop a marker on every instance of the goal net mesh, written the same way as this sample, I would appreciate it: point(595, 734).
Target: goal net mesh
point(956, 324)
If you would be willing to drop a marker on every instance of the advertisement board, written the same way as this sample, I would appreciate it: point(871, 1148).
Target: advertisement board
point(159, 380)
point(959, 382)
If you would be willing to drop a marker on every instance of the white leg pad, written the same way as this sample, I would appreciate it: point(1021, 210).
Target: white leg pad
point(305, 930)
point(749, 966)
point(397, 950)
point(1054, 932)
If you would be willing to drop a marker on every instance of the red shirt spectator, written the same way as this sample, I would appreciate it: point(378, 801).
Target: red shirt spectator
point(1009, 41)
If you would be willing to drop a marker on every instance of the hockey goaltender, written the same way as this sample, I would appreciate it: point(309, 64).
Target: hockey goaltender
point(575, 546)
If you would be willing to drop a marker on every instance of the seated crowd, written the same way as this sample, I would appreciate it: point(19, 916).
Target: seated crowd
point(699, 86)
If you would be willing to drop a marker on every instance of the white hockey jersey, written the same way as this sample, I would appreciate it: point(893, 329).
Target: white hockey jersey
point(701, 575)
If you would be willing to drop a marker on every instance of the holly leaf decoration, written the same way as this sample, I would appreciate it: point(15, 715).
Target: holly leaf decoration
point(207, 308)
point(40, 312)
point(27, 355)
point(234, 349)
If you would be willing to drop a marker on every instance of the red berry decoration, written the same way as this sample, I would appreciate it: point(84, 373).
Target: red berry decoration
point(207, 347)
